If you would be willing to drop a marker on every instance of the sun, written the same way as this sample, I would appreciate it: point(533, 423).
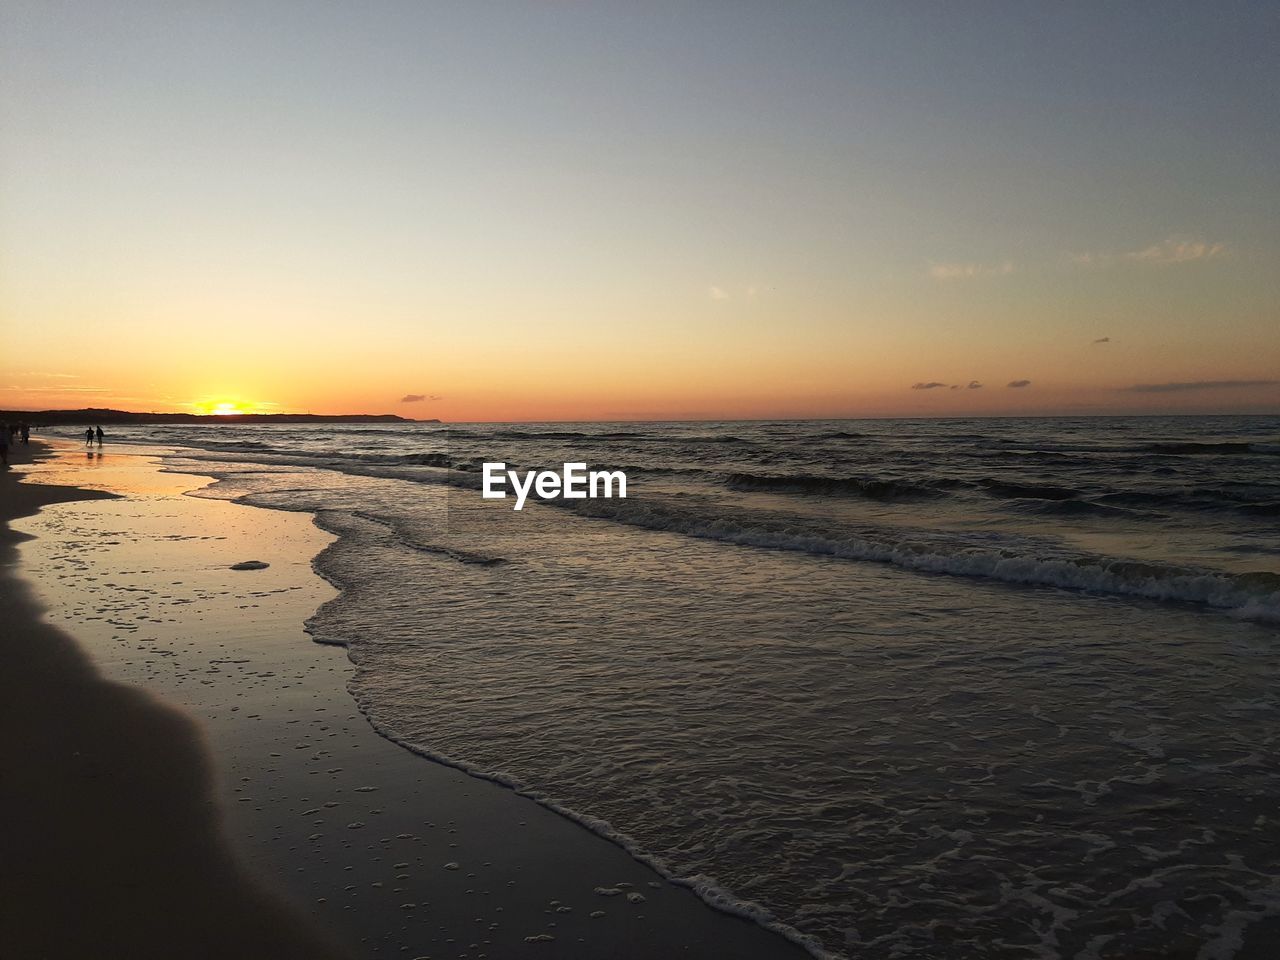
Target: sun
point(220, 408)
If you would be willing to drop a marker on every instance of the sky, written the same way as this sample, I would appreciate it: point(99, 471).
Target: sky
point(576, 210)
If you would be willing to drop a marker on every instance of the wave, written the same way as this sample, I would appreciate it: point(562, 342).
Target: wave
point(1254, 596)
point(335, 458)
point(1079, 508)
point(426, 459)
point(534, 435)
point(712, 438)
point(406, 539)
point(1027, 491)
point(1228, 448)
point(872, 488)
point(1019, 456)
point(554, 435)
point(1252, 500)
point(234, 446)
point(1164, 448)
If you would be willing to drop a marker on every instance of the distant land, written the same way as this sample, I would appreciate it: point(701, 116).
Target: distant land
point(95, 415)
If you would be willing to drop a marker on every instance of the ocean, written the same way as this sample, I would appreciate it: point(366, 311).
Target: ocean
point(894, 688)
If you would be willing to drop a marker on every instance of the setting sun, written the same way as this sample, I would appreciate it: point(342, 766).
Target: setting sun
point(222, 408)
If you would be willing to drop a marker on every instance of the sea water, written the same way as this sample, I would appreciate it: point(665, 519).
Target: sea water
point(895, 688)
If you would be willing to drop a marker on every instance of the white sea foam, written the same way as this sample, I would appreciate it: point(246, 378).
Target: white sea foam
point(707, 888)
point(1248, 596)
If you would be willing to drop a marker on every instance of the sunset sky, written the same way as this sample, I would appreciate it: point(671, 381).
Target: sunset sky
point(576, 210)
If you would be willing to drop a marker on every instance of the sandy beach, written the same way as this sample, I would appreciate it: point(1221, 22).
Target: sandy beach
point(194, 777)
point(113, 842)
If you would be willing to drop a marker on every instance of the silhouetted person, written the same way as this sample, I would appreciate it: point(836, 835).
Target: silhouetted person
point(26, 434)
point(88, 437)
point(99, 436)
point(4, 448)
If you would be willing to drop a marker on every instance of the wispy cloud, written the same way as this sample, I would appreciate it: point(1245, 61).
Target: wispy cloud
point(65, 389)
point(1018, 384)
point(717, 293)
point(1103, 340)
point(1191, 385)
point(939, 385)
point(417, 397)
point(969, 271)
point(1179, 248)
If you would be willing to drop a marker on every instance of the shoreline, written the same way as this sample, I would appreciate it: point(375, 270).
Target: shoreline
point(533, 882)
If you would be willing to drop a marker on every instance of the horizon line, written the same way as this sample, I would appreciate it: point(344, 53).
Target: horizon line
point(233, 418)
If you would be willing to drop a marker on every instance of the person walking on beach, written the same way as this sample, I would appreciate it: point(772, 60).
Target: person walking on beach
point(4, 448)
point(99, 436)
point(26, 433)
point(88, 437)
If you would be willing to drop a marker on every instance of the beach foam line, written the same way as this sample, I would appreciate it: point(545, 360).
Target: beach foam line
point(403, 537)
point(707, 888)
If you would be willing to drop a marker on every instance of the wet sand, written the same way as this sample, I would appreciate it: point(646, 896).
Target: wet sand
point(111, 842)
point(385, 852)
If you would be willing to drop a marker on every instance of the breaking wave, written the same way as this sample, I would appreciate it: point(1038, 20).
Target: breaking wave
point(1254, 596)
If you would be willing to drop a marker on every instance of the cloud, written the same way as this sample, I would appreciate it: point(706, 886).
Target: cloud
point(417, 397)
point(1103, 340)
point(939, 385)
point(64, 389)
point(969, 271)
point(717, 293)
point(1018, 384)
point(1178, 249)
point(1188, 385)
